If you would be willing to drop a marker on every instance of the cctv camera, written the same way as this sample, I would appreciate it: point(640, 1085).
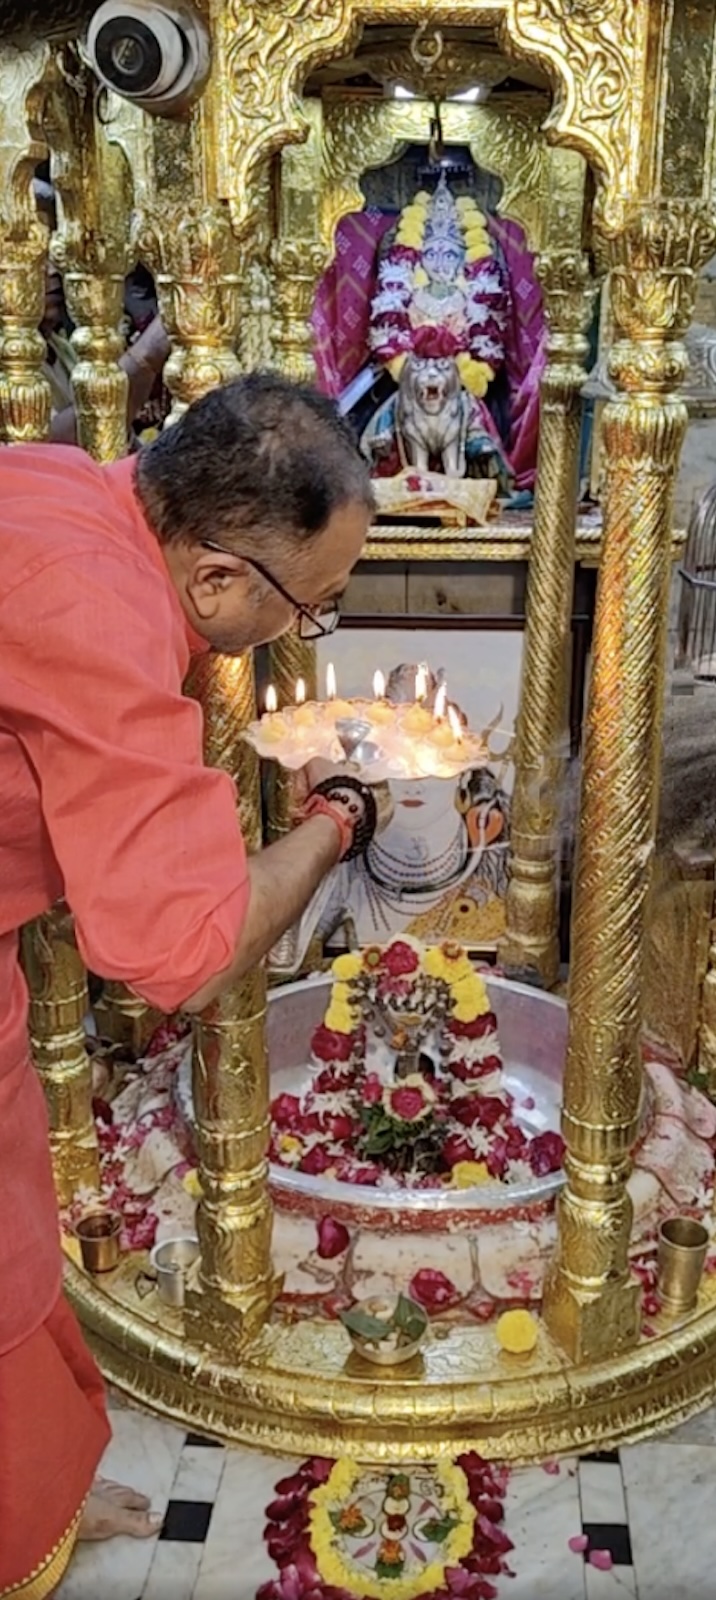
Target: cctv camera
point(153, 52)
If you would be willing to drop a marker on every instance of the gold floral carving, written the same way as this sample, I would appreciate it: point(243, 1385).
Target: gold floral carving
point(595, 53)
point(591, 1304)
point(91, 248)
point(59, 1003)
point(531, 938)
point(24, 239)
point(191, 248)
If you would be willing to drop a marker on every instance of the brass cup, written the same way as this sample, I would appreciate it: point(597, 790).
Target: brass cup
point(98, 1234)
point(682, 1254)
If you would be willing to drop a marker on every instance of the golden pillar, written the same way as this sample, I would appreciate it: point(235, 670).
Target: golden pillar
point(24, 391)
point(92, 250)
point(199, 285)
point(591, 1305)
point(298, 257)
point(198, 273)
point(56, 978)
point(531, 938)
point(231, 1077)
point(59, 1003)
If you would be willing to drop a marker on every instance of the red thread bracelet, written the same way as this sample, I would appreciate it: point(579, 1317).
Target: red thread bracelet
point(318, 806)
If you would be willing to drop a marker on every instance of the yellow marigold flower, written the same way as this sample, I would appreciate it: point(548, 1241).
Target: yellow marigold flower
point(290, 1145)
point(422, 199)
point(412, 215)
point(476, 375)
point(469, 999)
point(395, 366)
point(435, 964)
point(420, 278)
point(465, 203)
point(475, 235)
point(339, 1018)
point(517, 1332)
point(341, 994)
point(191, 1184)
point(348, 966)
point(469, 1174)
point(410, 235)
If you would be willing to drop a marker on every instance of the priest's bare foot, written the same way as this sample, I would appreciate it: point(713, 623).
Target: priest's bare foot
point(113, 1509)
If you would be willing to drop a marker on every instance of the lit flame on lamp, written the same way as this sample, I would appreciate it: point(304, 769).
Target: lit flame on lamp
point(331, 689)
point(421, 682)
point(271, 699)
point(455, 724)
point(440, 702)
point(300, 692)
point(378, 685)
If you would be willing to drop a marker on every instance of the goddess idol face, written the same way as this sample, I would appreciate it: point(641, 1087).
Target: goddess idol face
point(442, 260)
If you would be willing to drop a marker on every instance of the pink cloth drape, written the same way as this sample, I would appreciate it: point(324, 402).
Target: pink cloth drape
point(341, 318)
point(341, 314)
point(524, 348)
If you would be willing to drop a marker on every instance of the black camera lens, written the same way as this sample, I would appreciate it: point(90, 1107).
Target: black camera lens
point(128, 55)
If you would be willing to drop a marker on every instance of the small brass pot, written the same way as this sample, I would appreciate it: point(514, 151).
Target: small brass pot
point(683, 1244)
point(98, 1234)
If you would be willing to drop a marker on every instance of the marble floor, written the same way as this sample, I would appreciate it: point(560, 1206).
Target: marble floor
point(649, 1507)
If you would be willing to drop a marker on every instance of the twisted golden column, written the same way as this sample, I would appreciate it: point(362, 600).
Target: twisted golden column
point(531, 937)
point(59, 1003)
point(591, 1305)
point(230, 1077)
point(297, 267)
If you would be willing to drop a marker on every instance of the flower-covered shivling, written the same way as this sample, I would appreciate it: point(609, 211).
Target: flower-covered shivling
point(410, 1116)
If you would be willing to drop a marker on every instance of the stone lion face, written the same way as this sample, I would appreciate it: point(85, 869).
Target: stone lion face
point(432, 381)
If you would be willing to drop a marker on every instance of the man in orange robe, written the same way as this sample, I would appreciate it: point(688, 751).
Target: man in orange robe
point(245, 517)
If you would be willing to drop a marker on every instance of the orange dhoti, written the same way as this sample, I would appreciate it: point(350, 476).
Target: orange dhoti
point(53, 1431)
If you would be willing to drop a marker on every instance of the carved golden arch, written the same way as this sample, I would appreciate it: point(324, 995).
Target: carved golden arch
point(595, 52)
point(538, 182)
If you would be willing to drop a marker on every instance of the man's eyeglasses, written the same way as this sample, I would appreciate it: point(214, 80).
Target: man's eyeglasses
point(314, 622)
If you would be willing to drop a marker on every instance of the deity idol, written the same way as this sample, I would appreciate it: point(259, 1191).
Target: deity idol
point(437, 324)
point(439, 867)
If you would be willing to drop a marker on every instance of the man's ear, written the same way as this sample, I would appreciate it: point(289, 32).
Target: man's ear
point(210, 575)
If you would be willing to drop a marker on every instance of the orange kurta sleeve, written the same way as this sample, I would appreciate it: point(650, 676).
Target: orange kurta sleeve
point(145, 836)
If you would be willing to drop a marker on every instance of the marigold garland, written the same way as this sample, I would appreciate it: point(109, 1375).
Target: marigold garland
point(334, 1570)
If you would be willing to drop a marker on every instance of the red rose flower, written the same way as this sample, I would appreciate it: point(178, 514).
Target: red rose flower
point(457, 1148)
point(485, 1109)
point(332, 1080)
point(371, 1090)
point(326, 1045)
point(477, 1029)
point(399, 959)
point(333, 1239)
point(286, 1111)
point(315, 1161)
point(471, 1071)
point(546, 1153)
point(433, 1290)
point(339, 1126)
point(517, 1143)
point(497, 1158)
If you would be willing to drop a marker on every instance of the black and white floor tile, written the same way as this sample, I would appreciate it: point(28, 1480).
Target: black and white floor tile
point(651, 1507)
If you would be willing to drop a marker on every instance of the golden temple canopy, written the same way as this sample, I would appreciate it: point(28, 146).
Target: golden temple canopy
point(598, 122)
